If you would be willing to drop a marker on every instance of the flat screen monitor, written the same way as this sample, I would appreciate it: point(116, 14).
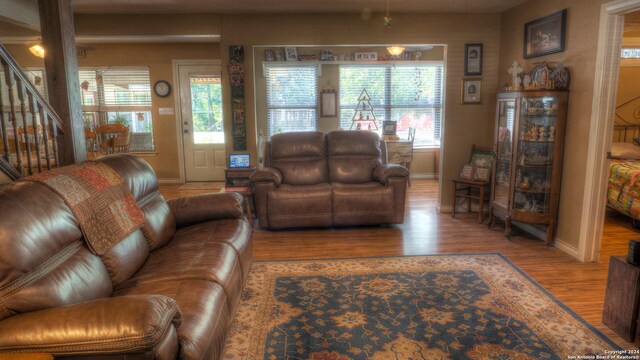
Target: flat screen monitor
point(239, 161)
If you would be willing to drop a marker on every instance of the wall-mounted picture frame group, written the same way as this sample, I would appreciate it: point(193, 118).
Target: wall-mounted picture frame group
point(472, 59)
point(471, 91)
point(545, 35)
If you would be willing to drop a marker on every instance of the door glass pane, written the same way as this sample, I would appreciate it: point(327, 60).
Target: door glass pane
point(506, 116)
point(537, 132)
point(206, 109)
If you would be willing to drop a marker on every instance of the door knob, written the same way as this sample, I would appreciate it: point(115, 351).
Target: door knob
point(185, 131)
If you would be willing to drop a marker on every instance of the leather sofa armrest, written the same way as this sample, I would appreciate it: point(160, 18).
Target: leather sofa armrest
point(267, 174)
point(383, 172)
point(122, 325)
point(189, 210)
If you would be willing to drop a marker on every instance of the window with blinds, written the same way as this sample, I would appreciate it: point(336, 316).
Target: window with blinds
point(412, 95)
point(291, 98)
point(119, 95)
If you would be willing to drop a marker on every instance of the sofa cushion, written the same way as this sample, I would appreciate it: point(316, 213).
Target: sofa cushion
point(352, 156)
point(42, 256)
point(234, 232)
point(189, 257)
point(299, 206)
point(300, 157)
point(363, 204)
point(205, 314)
point(126, 257)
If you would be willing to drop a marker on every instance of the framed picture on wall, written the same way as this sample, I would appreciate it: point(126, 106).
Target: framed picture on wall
point(545, 35)
point(473, 59)
point(471, 91)
point(269, 55)
point(291, 53)
point(279, 55)
point(328, 103)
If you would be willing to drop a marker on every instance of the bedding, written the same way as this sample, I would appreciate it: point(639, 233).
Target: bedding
point(623, 190)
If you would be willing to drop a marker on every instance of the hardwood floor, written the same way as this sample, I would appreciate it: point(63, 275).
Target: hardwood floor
point(581, 286)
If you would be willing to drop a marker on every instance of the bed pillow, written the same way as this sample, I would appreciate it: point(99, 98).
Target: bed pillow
point(627, 151)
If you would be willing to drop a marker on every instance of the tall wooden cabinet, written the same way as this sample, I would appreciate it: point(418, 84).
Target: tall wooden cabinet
point(527, 169)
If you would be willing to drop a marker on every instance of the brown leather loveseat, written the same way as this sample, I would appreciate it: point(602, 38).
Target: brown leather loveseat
point(167, 291)
point(341, 178)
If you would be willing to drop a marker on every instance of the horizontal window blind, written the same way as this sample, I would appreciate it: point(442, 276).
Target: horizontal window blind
point(412, 95)
point(291, 98)
point(119, 87)
point(119, 95)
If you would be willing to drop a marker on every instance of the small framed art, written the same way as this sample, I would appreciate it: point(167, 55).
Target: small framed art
point(291, 53)
point(473, 59)
point(472, 91)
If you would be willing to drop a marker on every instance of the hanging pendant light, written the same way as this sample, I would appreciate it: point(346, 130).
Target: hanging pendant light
point(395, 50)
point(37, 49)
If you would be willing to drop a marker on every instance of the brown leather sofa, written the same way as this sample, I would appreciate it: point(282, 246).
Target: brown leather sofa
point(166, 291)
point(341, 178)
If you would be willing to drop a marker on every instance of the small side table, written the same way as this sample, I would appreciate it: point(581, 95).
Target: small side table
point(620, 312)
point(247, 194)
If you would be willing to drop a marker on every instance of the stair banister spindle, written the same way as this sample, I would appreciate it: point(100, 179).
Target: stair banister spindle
point(33, 109)
point(3, 128)
point(23, 111)
point(45, 136)
point(8, 72)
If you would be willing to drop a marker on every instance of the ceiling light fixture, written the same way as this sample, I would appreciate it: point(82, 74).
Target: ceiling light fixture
point(395, 50)
point(37, 50)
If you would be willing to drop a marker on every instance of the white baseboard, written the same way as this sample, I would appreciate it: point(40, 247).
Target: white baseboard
point(170, 181)
point(569, 249)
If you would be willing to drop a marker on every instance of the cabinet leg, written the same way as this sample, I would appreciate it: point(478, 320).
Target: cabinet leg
point(550, 231)
point(481, 206)
point(507, 229)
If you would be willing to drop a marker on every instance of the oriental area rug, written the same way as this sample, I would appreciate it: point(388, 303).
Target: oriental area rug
point(420, 307)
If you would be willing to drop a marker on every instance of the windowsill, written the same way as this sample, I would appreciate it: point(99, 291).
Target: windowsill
point(144, 153)
point(426, 149)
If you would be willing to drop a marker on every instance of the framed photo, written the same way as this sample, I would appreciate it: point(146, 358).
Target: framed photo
point(328, 103)
point(279, 55)
point(389, 127)
point(473, 59)
point(472, 91)
point(291, 53)
point(406, 55)
point(545, 35)
point(366, 56)
point(269, 55)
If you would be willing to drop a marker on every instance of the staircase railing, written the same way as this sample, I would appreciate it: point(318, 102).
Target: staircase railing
point(29, 127)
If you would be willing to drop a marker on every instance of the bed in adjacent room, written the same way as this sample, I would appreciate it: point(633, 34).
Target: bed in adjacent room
point(623, 190)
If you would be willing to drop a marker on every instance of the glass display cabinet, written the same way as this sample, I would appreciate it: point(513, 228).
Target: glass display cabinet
point(527, 169)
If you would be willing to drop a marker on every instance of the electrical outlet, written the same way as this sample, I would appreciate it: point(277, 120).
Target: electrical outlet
point(166, 111)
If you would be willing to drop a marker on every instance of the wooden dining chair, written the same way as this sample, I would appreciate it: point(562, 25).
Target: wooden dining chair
point(113, 138)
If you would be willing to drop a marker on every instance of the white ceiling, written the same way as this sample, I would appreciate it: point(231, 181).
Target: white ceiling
point(290, 6)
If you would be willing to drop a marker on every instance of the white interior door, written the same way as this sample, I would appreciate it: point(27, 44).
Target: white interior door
point(202, 122)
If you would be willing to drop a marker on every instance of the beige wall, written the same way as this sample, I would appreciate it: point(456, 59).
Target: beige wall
point(158, 58)
point(628, 90)
point(463, 125)
point(423, 161)
point(580, 57)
